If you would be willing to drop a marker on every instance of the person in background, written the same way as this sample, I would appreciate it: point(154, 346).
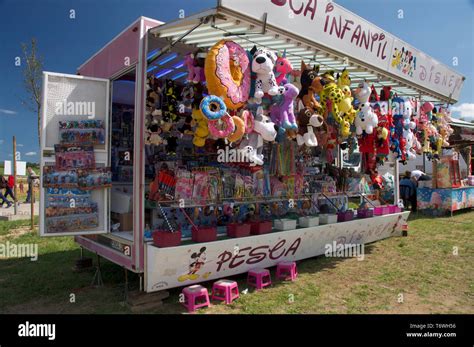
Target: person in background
point(22, 188)
point(10, 186)
point(408, 191)
point(377, 186)
point(30, 180)
point(3, 184)
point(419, 175)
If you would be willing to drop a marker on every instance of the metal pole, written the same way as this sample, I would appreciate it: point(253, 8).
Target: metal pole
point(396, 191)
point(32, 204)
point(14, 177)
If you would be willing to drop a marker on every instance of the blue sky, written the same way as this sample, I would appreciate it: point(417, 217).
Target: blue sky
point(442, 29)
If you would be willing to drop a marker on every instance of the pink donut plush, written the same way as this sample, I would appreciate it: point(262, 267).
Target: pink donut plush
point(227, 70)
point(222, 127)
point(248, 120)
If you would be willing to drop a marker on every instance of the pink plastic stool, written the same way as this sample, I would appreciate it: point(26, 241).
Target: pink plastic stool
point(259, 278)
point(193, 294)
point(225, 290)
point(286, 270)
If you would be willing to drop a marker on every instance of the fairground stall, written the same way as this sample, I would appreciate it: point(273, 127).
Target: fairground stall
point(201, 148)
point(452, 185)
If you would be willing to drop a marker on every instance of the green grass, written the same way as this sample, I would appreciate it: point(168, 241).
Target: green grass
point(421, 267)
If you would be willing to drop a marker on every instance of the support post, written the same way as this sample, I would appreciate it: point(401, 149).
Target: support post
point(15, 199)
point(396, 188)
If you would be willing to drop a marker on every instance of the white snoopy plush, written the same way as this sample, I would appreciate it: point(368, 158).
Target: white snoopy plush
point(263, 62)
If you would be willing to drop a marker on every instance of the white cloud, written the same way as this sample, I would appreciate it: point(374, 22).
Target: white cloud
point(19, 145)
point(29, 154)
point(465, 110)
point(5, 111)
point(1, 142)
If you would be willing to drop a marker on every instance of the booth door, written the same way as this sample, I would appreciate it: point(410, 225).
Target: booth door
point(75, 156)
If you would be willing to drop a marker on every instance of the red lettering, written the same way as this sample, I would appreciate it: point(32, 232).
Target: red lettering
point(437, 77)
point(279, 2)
point(276, 248)
point(238, 256)
point(224, 257)
point(346, 27)
point(293, 9)
point(335, 26)
point(255, 256)
point(374, 38)
point(365, 38)
point(383, 55)
point(329, 7)
point(294, 247)
point(356, 34)
point(311, 9)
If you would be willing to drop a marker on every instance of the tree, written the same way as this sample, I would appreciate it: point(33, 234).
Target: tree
point(32, 80)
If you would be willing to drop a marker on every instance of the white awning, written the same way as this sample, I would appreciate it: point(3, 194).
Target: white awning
point(273, 24)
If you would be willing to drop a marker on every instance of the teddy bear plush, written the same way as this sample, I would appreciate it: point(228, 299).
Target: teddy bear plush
point(263, 63)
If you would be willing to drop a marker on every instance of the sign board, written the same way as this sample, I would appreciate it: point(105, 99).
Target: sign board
point(190, 264)
point(20, 168)
point(330, 25)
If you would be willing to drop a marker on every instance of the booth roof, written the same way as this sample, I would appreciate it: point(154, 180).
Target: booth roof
point(221, 23)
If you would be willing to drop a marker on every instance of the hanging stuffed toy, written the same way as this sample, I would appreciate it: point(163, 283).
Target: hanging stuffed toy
point(374, 97)
point(306, 135)
point(263, 62)
point(283, 114)
point(263, 130)
point(283, 67)
point(366, 119)
point(386, 93)
point(201, 131)
point(310, 85)
point(194, 71)
point(343, 79)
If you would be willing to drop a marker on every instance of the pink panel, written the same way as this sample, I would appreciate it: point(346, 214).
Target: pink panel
point(112, 58)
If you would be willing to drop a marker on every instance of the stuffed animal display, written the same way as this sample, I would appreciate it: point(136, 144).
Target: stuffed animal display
point(244, 99)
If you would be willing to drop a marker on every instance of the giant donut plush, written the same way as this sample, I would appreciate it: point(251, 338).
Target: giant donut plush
point(227, 70)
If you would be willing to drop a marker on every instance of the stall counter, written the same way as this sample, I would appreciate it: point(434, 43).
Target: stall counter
point(441, 201)
point(189, 264)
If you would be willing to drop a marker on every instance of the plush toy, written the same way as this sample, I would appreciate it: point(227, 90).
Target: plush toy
point(426, 110)
point(362, 93)
point(374, 97)
point(409, 142)
point(310, 85)
point(306, 134)
point(343, 79)
point(366, 119)
point(170, 101)
point(386, 93)
point(263, 62)
point(202, 131)
point(194, 71)
point(331, 92)
point(345, 106)
point(283, 67)
point(252, 144)
point(171, 143)
point(283, 114)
